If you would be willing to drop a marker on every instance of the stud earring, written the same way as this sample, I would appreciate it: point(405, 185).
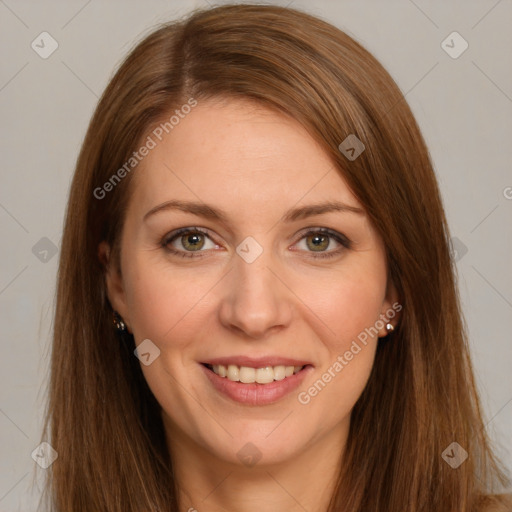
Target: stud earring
point(119, 322)
point(389, 327)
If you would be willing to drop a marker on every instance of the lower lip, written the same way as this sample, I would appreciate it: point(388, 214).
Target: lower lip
point(257, 394)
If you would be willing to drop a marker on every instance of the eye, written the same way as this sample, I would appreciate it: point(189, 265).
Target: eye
point(192, 241)
point(318, 241)
point(186, 241)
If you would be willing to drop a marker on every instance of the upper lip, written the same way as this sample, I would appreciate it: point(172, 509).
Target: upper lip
point(257, 362)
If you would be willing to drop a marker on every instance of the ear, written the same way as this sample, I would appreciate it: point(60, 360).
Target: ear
point(391, 307)
point(114, 283)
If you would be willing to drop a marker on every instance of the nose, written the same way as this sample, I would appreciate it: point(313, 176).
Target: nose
point(255, 301)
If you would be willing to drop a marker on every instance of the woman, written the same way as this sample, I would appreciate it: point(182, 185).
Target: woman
point(256, 302)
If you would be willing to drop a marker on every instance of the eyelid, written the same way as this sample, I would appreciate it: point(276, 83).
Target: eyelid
point(173, 235)
point(337, 236)
point(340, 238)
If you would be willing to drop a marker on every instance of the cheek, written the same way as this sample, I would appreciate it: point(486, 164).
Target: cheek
point(358, 308)
point(350, 309)
point(347, 304)
point(161, 300)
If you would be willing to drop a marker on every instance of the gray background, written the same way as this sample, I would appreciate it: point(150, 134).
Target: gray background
point(463, 106)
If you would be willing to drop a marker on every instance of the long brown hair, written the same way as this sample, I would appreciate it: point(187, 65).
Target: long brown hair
point(102, 418)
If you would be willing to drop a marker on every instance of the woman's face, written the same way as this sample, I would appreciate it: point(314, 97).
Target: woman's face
point(245, 274)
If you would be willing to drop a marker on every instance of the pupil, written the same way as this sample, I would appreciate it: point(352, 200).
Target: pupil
point(319, 241)
point(193, 241)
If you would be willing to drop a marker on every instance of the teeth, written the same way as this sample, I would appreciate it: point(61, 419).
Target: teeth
point(233, 373)
point(249, 375)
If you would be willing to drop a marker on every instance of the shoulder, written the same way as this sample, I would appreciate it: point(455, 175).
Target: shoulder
point(496, 503)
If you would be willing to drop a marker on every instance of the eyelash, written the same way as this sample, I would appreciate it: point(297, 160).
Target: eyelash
point(341, 239)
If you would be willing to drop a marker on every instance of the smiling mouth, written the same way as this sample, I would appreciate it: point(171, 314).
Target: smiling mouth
point(248, 375)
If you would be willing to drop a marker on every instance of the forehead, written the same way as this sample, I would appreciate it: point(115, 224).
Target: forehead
point(237, 153)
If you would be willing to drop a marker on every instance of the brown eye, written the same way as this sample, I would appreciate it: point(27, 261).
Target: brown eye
point(193, 241)
point(323, 243)
point(317, 242)
point(187, 241)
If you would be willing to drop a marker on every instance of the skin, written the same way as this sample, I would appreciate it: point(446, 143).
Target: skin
point(255, 165)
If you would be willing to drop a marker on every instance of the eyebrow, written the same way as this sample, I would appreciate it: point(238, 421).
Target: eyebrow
point(210, 212)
